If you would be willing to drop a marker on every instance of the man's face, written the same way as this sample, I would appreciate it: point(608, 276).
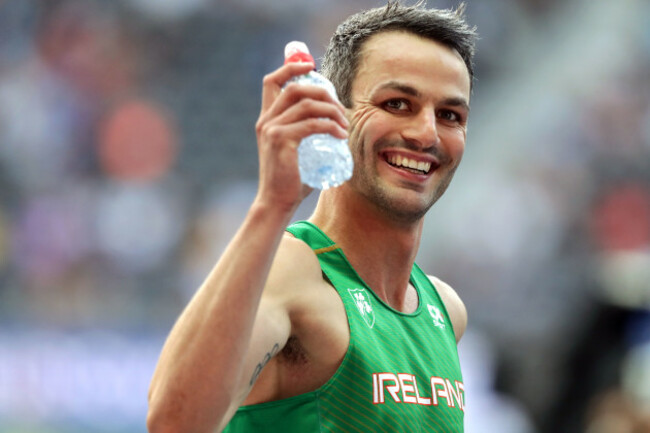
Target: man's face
point(410, 104)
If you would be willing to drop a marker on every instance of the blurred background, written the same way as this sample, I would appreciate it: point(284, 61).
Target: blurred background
point(128, 159)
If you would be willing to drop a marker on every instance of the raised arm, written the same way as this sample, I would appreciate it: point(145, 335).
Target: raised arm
point(208, 363)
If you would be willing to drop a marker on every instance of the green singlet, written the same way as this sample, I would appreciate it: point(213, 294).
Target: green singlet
point(400, 373)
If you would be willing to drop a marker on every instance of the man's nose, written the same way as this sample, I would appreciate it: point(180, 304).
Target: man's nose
point(422, 130)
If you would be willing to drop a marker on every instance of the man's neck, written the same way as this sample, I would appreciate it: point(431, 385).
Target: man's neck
point(381, 250)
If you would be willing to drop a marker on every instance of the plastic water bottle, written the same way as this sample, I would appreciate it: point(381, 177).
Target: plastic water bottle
point(324, 161)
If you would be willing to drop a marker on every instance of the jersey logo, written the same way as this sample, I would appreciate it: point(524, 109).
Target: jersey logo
point(404, 388)
point(362, 301)
point(436, 315)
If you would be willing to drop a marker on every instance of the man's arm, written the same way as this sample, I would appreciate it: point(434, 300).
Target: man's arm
point(202, 362)
point(226, 331)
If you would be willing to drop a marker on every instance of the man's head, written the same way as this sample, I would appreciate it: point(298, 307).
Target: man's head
point(343, 54)
point(404, 74)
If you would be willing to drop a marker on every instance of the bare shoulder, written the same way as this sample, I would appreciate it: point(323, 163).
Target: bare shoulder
point(295, 251)
point(453, 303)
point(295, 264)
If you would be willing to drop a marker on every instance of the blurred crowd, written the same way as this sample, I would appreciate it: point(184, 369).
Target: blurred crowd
point(128, 159)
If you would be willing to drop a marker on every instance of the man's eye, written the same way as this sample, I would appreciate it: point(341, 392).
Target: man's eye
point(449, 115)
point(396, 104)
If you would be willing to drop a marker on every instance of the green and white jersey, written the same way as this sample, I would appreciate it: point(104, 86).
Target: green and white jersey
point(400, 373)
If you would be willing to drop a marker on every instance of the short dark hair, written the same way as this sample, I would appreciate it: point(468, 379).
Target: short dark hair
point(447, 26)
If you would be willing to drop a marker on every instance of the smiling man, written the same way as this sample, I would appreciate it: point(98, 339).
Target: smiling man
point(329, 325)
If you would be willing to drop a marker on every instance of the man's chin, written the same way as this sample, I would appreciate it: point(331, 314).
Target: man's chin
point(406, 206)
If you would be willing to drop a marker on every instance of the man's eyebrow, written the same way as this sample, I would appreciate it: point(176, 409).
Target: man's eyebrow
point(396, 85)
point(412, 91)
point(457, 102)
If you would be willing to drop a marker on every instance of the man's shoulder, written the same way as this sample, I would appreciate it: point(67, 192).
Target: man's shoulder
point(295, 265)
point(296, 282)
point(454, 305)
point(442, 286)
point(296, 251)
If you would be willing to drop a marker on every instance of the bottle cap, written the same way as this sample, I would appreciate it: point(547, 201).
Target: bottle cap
point(296, 51)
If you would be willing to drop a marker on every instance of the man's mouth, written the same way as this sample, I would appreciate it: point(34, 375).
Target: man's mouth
point(408, 164)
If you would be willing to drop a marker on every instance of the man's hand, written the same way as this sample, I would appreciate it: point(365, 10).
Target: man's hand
point(288, 115)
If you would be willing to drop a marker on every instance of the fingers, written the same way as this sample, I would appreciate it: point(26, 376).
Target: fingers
point(274, 81)
point(295, 94)
point(313, 117)
point(279, 135)
point(299, 103)
point(299, 106)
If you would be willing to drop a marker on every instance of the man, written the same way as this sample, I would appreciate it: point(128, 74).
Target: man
point(331, 327)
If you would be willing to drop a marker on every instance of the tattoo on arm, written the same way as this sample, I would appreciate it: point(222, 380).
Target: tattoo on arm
point(260, 366)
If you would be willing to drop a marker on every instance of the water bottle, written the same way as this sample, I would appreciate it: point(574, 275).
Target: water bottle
point(324, 161)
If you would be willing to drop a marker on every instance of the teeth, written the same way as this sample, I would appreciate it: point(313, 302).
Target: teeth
point(400, 161)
